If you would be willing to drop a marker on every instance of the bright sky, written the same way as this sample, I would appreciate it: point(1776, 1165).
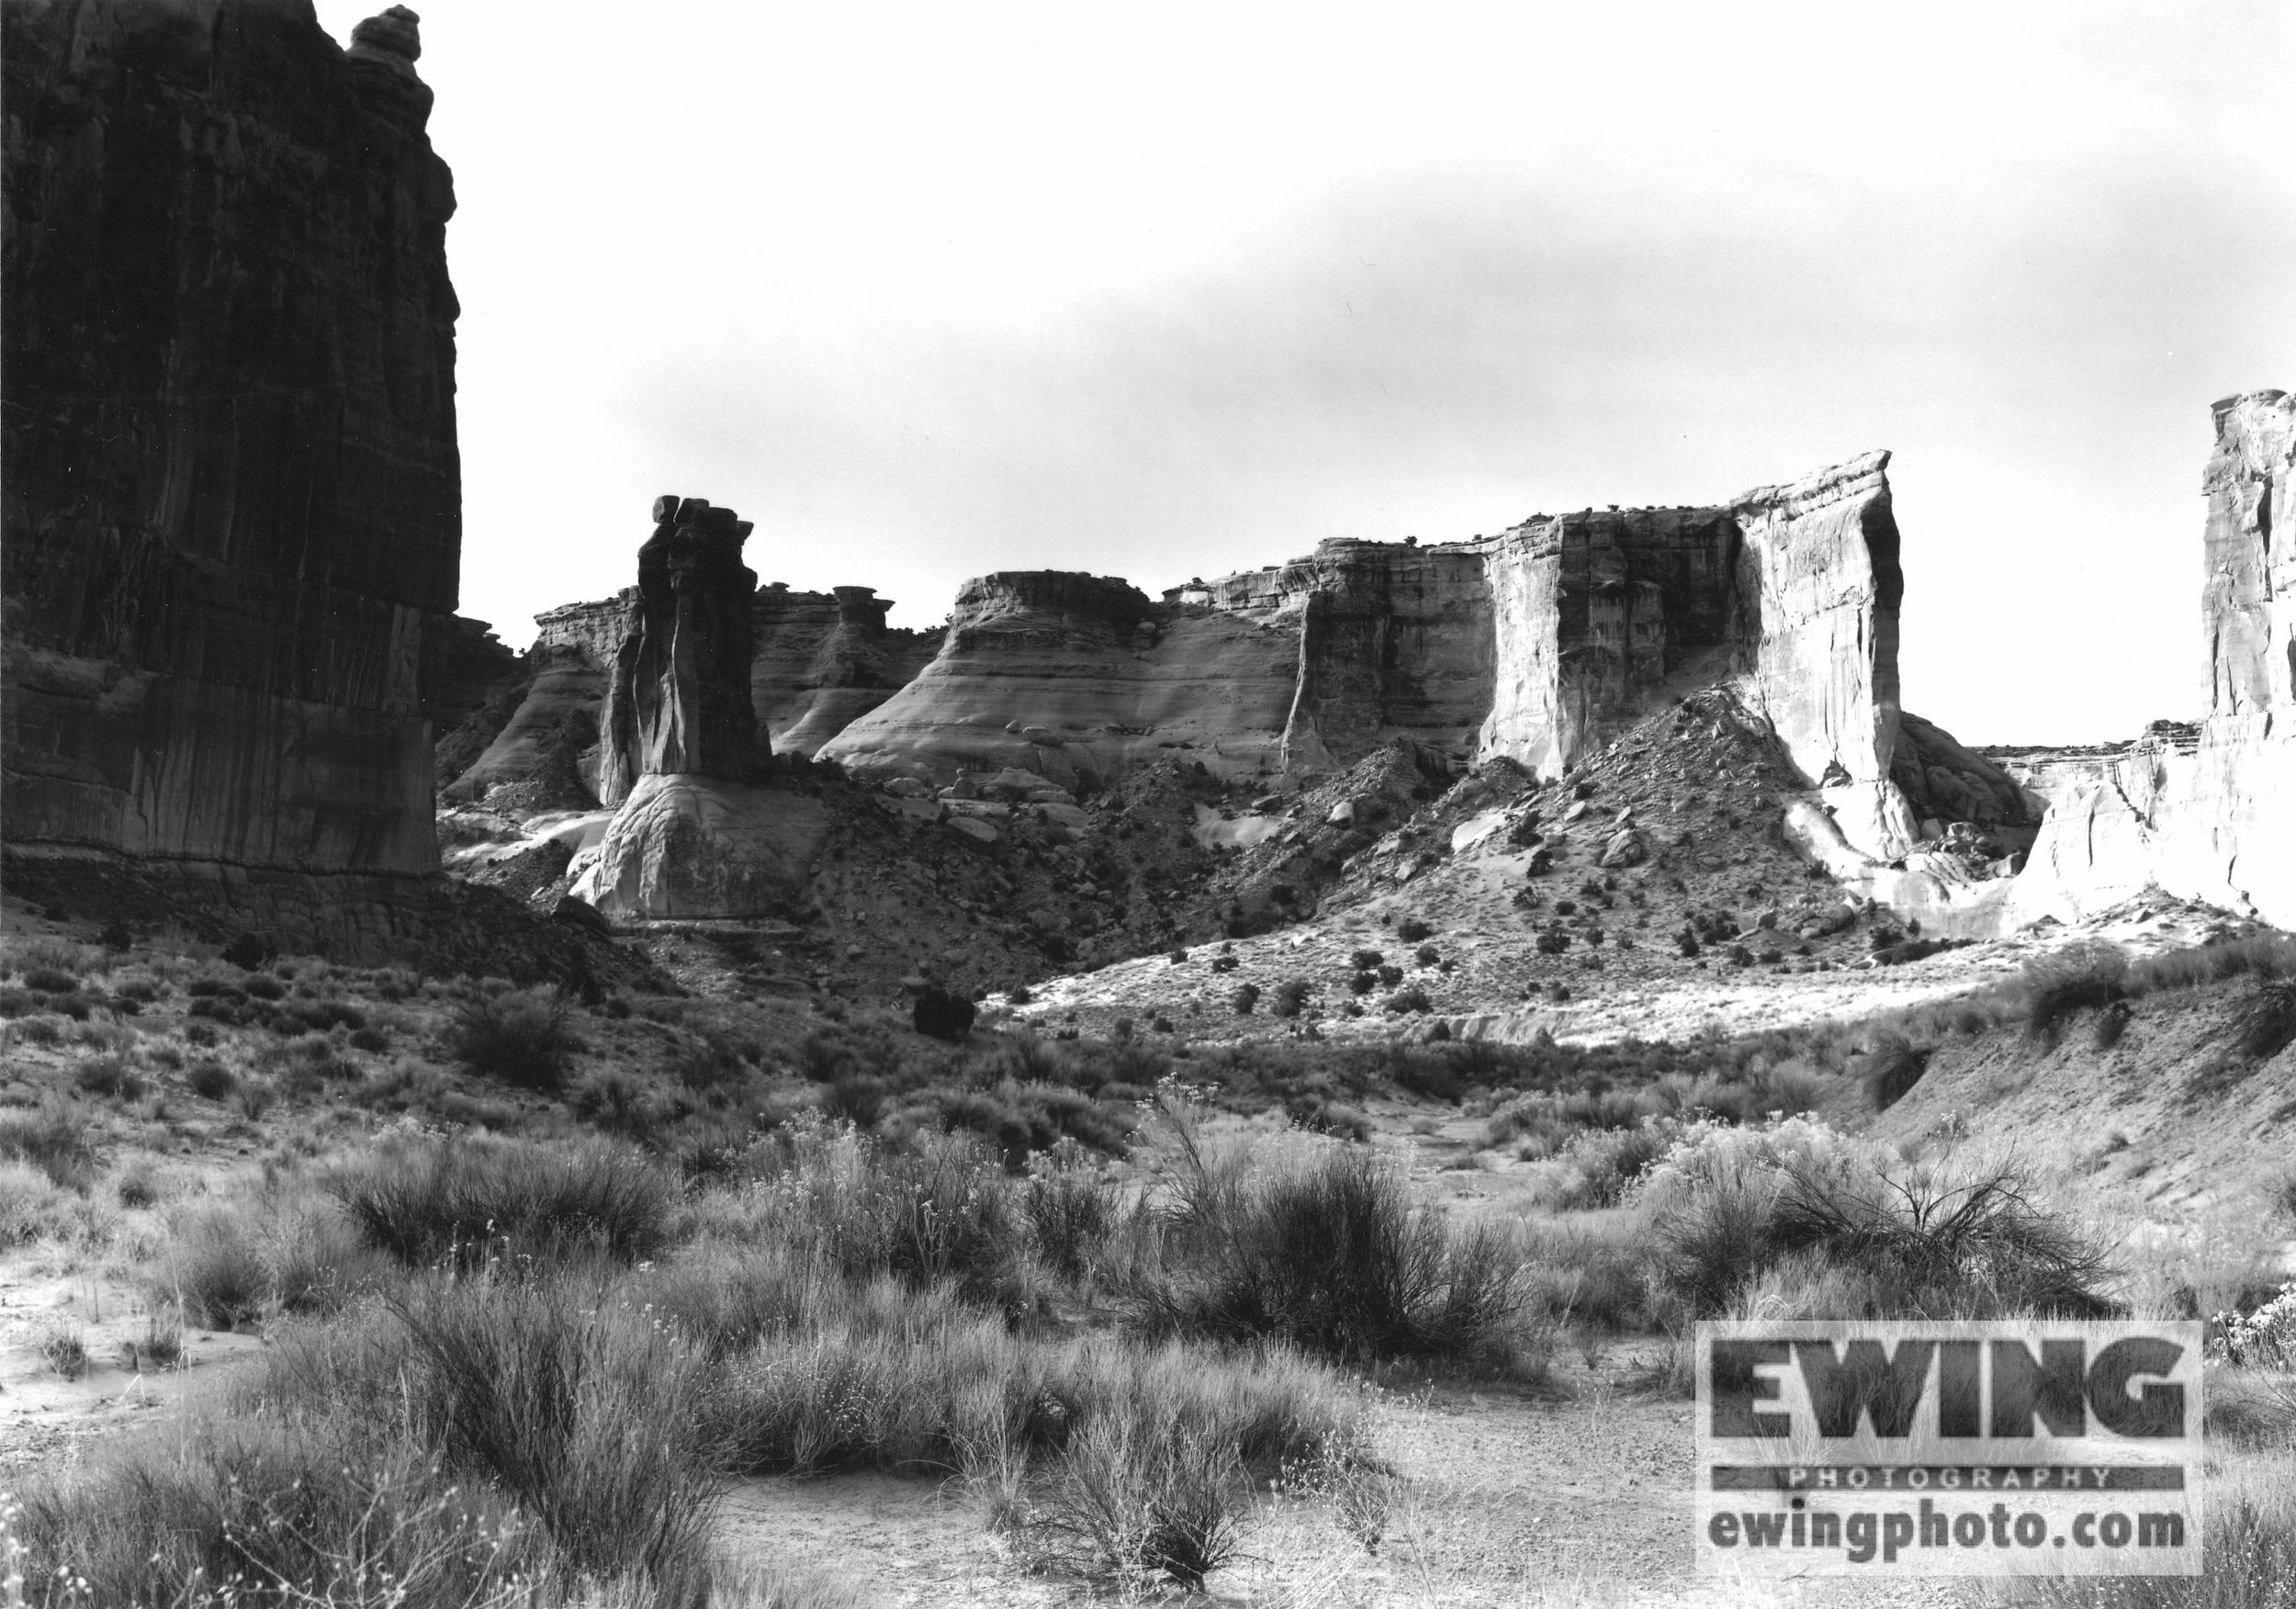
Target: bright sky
point(1169, 290)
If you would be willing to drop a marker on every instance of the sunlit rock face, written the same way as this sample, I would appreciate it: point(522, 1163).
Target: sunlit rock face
point(1078, 678)
point(824, 659)
point(1597, 616)
point(1790, 591)
point(2208, 813)
point(1394, 640)
point(232, 491)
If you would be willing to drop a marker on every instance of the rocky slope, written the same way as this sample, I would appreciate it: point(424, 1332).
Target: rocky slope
point(231, 483)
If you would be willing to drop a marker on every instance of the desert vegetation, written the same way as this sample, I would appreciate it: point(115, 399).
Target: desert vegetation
point(542, 1281)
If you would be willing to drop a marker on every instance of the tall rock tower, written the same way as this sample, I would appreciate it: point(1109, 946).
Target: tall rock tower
point(232, 495)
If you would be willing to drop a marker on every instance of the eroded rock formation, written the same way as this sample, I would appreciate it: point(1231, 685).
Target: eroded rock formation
point(1078, 679)
point(1395, 640)
point(692, 833)
point(2207, 815)
point(824, 659)
point(233, 492)
point(1539, 645)
point(679, 704)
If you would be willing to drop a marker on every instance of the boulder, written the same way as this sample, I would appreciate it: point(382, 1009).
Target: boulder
point(1625, 848)
point(697, 845)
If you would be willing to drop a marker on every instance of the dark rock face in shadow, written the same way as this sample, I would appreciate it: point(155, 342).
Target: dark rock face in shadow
point(233, 490)
point(680, 702)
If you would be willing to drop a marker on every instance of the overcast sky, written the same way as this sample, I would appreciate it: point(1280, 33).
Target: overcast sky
point(1170, 290)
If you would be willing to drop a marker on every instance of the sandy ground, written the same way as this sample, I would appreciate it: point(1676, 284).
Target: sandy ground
point(46, 1419)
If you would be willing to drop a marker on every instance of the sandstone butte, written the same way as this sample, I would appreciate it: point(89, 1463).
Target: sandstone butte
point(1538, 644)
point(232, 488)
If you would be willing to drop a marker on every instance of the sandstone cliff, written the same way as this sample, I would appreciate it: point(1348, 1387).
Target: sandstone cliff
point(824, 659)
point(233, 492)
point(1079, 678)
point(2206, 815)
point(1395, 640)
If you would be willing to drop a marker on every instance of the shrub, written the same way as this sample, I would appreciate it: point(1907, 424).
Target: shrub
point(1902, 1240)
point(1330, 1255)
point(2269, 1026)
point(1604, 1162)
point(56, 1139)
point(708, 1064)
point(108, 1078)
point(64, 1352)
point(1411, 999)
point(1246, 997)
point(1367, 959)
point(214, 1270)
point(250, 951)
point(1410, 930)
point(1290, 995)
point(281, 1505)
point(33, 1206)
point(857, 1099)
point(46, 980)
point(2079, 978)
point(520, 1038)
point(1894, 1064)
point(579, 1406)
point(939, 1014)
point(1128, 1501)
point(1072, 1211)
point(463, 1199)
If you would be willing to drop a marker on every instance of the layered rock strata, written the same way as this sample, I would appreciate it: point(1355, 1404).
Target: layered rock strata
point(1395, 641)
point(824, 659)
point(1079, 678)
point(232, 485)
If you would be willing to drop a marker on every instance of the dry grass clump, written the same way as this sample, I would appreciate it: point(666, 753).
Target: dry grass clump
point(465, 1199)
point(57, 1138)
point(1327, 1251)
point(1834, 1225)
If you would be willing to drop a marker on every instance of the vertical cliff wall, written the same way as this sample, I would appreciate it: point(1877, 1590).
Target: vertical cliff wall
point(1394, 640)
point(1596, 615)
point(2210, 815)
point(232, 488)
point(1792, 591)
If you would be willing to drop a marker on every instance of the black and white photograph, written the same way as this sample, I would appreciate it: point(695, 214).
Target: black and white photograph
point(818, 807)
